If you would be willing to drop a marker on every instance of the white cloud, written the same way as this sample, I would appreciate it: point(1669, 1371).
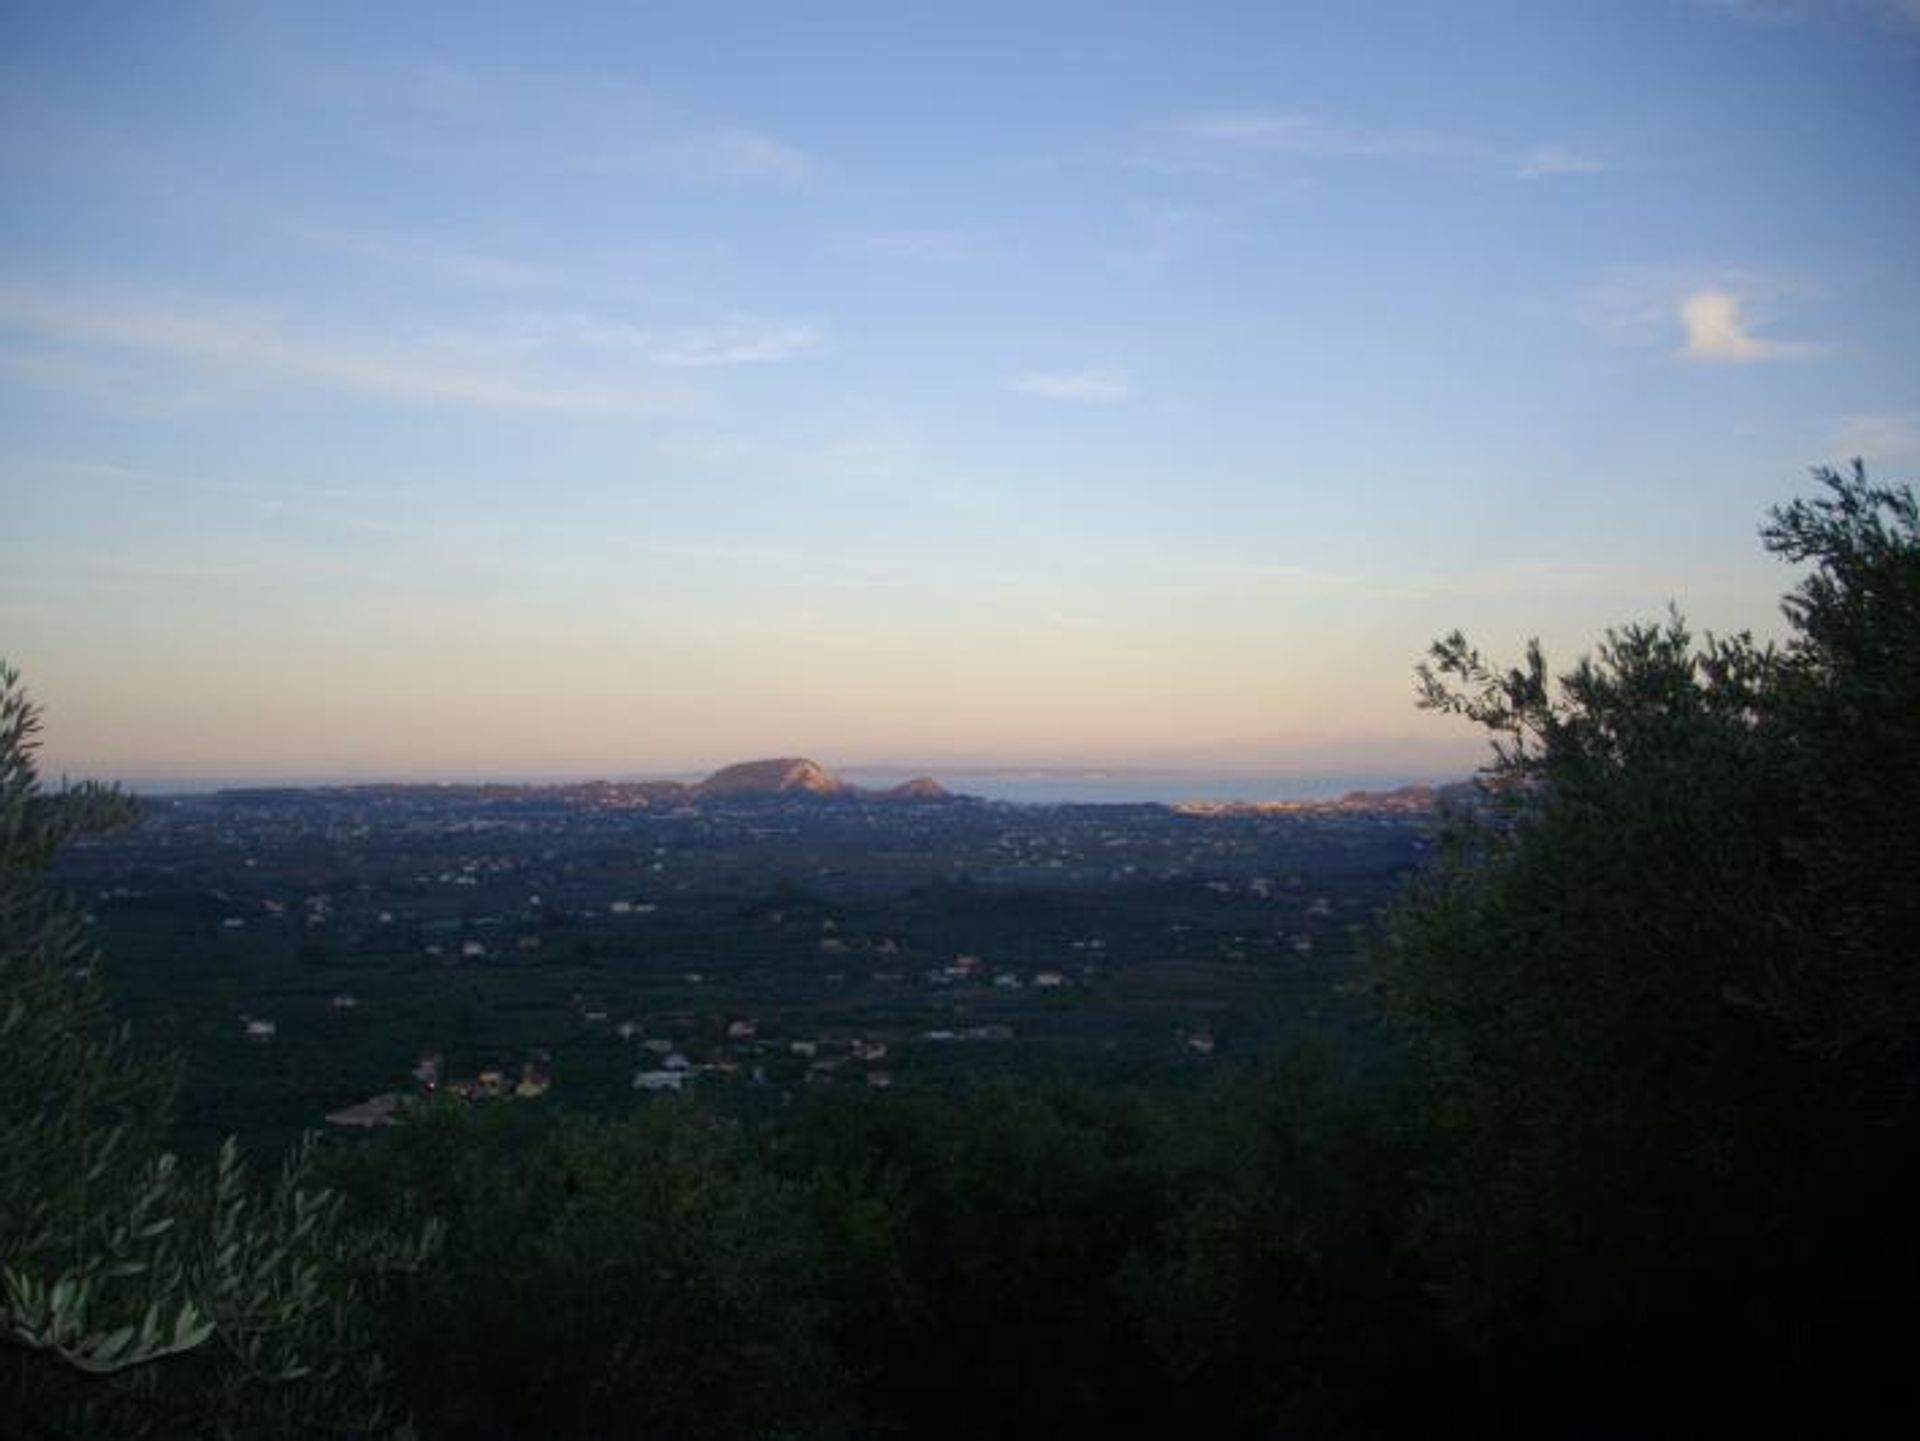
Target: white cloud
point(1885, 438)
point(1080, 387)
point(1718, 328)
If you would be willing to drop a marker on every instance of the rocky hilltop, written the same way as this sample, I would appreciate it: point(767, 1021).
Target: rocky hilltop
point(796, 776)
point(788, 775)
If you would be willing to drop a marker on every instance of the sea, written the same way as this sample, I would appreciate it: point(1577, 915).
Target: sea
point(1125, 787)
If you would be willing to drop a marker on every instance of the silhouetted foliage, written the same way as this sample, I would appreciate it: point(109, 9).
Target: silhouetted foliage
point(1663, 994)
point(643, 1277)
point(1285, 1301)
point(1011, 1261)
point(143, 1298)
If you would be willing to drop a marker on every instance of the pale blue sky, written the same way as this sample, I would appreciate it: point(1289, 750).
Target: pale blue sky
point(567, 389)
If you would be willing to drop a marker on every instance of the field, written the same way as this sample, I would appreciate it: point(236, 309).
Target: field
point(304, 950)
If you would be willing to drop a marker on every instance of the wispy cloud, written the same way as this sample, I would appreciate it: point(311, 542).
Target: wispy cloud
point(1761, 12)
point(728, 154)
point(869, 460)
point(1546, 161)
point(313, 505)
point(1720, 313)
point(255, 344)
point(1901, 13)
point(568, 364)
point(737, 342)
point(1204, 140)
point(824, 566)
point(59, 372)
point(530, 120)
point(1718, 328)
point(1161, 234)
point(1315, 582)
point(728, 340)
point(1516, 578)
point(1098, 386)
point(931, 245)
point(452, 265)
point(1532, 577)
point(1884, 438)
point(437, 85)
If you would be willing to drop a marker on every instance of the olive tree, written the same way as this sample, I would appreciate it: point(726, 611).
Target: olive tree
point(140, 1296)
point(1663, 986)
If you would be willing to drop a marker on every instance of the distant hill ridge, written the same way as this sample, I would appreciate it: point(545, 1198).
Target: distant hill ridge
point(797, 778)
point(1404, 800)
point(783, 777)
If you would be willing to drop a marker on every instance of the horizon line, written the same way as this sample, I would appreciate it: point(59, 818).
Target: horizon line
point(1320, 779)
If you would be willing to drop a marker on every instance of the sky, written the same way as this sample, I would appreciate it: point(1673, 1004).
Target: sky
point(474, 390)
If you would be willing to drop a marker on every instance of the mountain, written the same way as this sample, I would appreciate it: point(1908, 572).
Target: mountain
point(795, 776)
point(922, 788)
point(789, 775)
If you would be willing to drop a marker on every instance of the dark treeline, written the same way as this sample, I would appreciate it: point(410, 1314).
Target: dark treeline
point(1048, 1260)
point(1647, 1165)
